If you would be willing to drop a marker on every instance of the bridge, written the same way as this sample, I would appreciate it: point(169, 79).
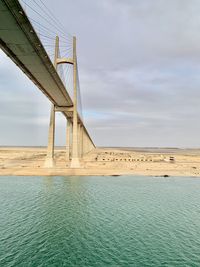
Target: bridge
point(23, 44)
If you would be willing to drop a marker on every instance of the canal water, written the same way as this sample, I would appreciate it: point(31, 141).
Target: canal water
point(99, 221)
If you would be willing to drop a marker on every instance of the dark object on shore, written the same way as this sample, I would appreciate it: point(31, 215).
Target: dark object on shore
point(171, 159)
point(165, 175)
point(116, 175)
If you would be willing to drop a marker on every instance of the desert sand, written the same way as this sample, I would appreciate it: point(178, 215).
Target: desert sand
point(103, 161)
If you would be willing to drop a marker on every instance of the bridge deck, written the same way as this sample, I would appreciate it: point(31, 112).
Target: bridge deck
point(20, 42)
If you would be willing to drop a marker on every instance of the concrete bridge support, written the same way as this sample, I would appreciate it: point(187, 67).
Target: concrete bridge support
point(68, 140)
point(87, 143)
point(81, 141)
point(78, 141)
point(75, 163)
point(49, 162)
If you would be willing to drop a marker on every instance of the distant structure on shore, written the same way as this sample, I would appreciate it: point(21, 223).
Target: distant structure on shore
point(20, 41)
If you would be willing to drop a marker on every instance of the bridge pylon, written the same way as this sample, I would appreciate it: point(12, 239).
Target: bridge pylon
point(78, 141)
point(49, 162)
point(68, 140)
point(75, 162)
point(72, 148)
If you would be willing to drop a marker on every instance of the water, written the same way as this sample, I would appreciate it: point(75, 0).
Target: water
point(99, 221)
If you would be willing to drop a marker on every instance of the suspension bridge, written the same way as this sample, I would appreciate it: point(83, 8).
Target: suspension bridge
point(38, 44)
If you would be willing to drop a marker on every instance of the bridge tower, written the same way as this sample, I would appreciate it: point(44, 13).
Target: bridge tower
point(49, 162)
point(75, 163)
point(74, 148)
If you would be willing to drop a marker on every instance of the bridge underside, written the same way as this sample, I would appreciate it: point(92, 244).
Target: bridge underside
point(21, 43)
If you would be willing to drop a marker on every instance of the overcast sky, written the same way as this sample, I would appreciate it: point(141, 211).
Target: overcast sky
point(139, 66)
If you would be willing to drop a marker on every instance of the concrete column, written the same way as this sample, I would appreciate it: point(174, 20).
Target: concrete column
point(75, 158)
point(81, 142)
point(70, 143)
point(87, 144)
point(68, 129)
point(49, 162)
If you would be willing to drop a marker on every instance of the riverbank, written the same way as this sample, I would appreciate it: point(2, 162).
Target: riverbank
point(102, 161)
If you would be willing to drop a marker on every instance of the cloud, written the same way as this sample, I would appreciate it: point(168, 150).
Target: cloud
point(139, 74)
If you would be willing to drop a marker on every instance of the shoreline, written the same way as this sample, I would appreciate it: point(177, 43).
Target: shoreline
point(88, 172)
point(29, 161)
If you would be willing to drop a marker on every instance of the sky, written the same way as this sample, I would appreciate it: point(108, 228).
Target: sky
point(139, 66)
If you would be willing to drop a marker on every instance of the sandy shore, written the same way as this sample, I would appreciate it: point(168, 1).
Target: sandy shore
point(103, 161)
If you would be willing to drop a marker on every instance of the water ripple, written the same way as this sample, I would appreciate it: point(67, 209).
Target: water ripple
point(99, 221)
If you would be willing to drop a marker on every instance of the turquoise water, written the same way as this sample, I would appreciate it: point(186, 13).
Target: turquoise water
point(99, 221)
